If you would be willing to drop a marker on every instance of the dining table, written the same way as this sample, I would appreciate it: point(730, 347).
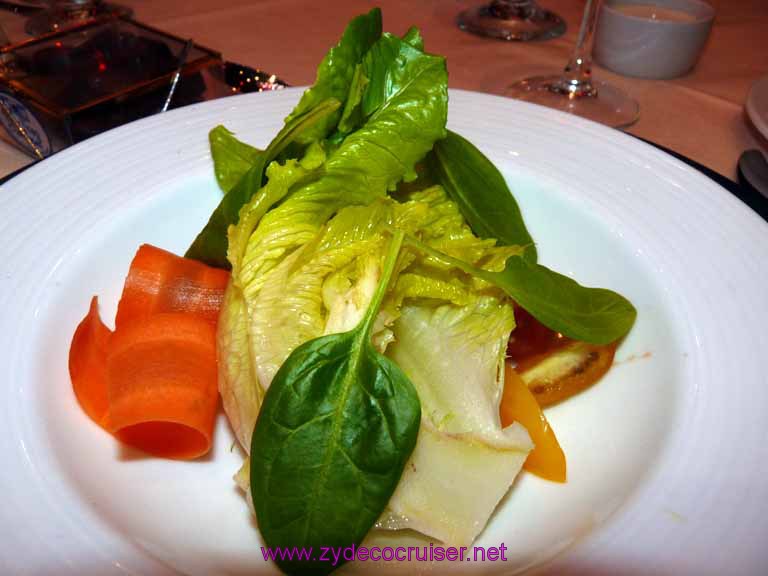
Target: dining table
point(699, 115)
point(654, 485)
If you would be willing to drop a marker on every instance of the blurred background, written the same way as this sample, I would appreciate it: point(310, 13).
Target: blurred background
point(699, 114)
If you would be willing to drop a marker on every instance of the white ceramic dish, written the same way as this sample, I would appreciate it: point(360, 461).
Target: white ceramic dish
point(667, 456)
point(757, 105)
point(652, 47)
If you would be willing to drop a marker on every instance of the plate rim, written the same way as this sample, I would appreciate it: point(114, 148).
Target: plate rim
point(671, 165)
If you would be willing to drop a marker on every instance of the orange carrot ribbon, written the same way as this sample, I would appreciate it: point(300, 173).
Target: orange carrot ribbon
point(153, 381)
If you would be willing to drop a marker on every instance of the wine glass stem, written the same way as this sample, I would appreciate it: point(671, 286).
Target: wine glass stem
point(577, 76)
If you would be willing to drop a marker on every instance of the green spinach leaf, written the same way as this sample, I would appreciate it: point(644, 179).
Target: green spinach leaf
point(477, 186)
point(231, 157)
point(594, 315)
point(337, 426)
point(336, 72)
point(210, 246)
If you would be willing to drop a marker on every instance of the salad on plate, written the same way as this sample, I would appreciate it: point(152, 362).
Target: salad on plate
point(367, 303)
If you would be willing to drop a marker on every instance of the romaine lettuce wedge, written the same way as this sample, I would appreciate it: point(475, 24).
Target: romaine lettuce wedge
point(307, 249)
point(446, 331)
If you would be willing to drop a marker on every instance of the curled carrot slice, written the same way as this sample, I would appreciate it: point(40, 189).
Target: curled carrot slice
point(162, 388)
point(518, 404)
point(160, 281)
point(87, 363)
point(152, 383)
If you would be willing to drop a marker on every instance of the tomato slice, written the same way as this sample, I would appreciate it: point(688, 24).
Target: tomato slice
point(568, 371)
point(554, 367)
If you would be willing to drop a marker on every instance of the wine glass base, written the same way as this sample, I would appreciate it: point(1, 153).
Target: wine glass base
point(606, 104)
point(540, 24)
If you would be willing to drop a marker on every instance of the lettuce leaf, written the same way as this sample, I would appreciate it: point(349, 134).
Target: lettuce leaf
point(464, 462)
point(281, 179)
point(290, 309)
point(231, 157)
point(376, 70)
point(241, 392)
point(352, 115)
point(406, 102)
point(321, 287)
point(336, 72)
point(314, 117)
point(368, 163)
point(210, 245)
point(413, 37)
point(452, 354)
point(453, 482)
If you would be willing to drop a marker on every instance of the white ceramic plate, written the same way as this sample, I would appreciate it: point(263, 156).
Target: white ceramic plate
point(667, 456)
point(757, 105)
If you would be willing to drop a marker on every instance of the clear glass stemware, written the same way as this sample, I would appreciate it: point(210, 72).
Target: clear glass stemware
point(575, 91)
point(512, 20)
